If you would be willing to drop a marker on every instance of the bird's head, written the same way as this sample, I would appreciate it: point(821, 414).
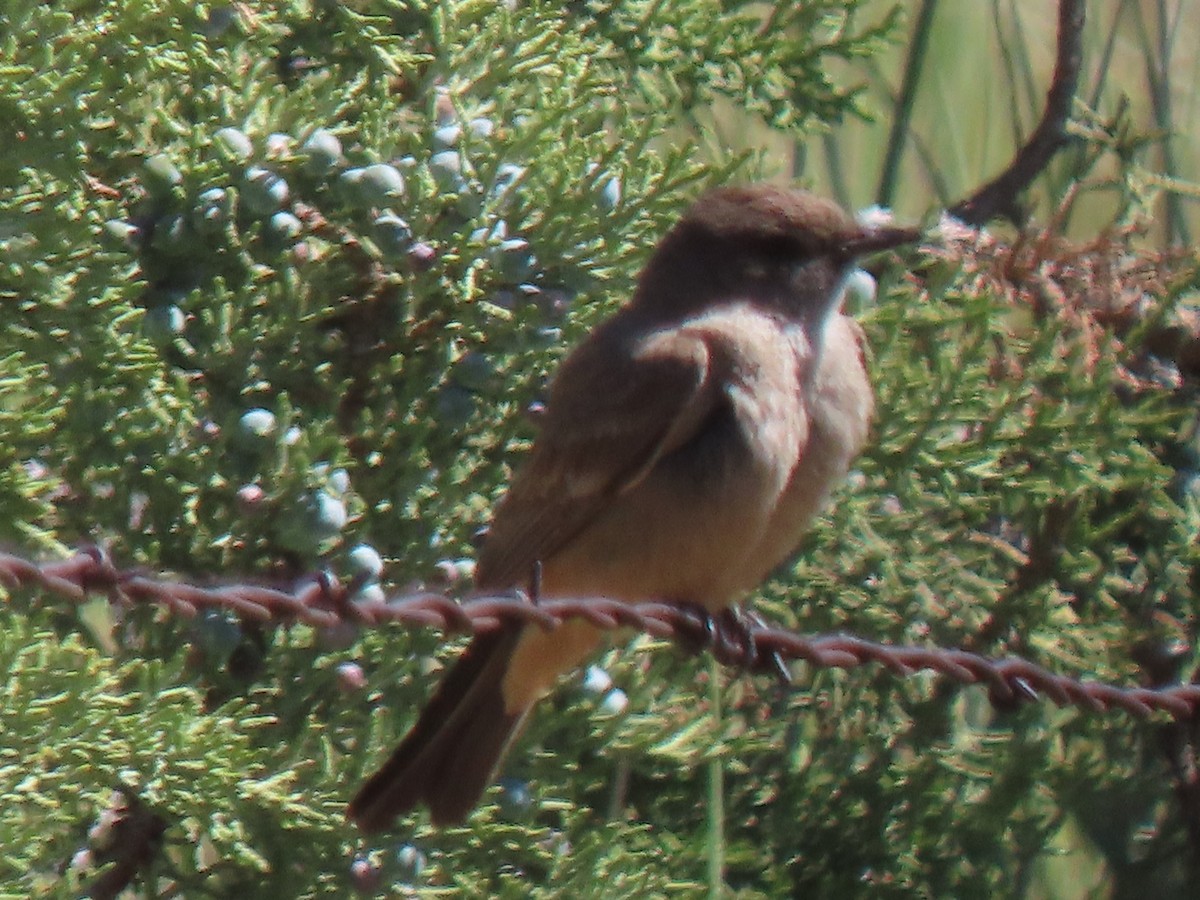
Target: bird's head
point(765, 243)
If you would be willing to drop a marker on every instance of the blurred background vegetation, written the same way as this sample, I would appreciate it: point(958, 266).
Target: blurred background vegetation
point(978, 91)
point(277, 286)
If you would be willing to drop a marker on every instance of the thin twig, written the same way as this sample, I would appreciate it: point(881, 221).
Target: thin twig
point(904, 103)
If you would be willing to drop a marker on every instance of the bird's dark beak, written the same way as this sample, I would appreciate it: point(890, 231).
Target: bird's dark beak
point(874, 239)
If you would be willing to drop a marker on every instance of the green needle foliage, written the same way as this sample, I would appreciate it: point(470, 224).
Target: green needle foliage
point(277, 283)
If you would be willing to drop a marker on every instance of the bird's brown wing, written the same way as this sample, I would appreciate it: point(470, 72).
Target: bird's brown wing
point(613, 413)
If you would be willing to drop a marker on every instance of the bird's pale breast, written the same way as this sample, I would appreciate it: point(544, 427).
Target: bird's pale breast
point(712, 517)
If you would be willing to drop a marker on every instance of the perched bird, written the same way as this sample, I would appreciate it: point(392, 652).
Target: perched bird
point(686, 444)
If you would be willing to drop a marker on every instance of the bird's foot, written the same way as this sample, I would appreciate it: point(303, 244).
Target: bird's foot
point(1020, 694)
point(730, 637)
point(737, 626)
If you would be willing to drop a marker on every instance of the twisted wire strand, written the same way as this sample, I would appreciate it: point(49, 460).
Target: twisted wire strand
point(323, 601)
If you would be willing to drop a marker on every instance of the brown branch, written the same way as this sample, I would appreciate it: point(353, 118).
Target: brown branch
point(324, 602)
point(999, 196)
point(126, 839)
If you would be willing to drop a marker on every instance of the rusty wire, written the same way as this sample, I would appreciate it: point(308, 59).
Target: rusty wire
point(322, 601)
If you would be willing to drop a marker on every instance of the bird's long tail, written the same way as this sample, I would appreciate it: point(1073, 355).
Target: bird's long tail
point(450, 756)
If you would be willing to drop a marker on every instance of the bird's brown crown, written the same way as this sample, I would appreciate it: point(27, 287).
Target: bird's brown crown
point(748, 239)
point(768, 214)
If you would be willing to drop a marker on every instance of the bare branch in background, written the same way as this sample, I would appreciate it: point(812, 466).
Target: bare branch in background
point(998, 198)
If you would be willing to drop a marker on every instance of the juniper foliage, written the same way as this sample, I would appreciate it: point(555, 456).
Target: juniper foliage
point(278, 282)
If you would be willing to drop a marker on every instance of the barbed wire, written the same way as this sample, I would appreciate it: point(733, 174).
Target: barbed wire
point(323, 601)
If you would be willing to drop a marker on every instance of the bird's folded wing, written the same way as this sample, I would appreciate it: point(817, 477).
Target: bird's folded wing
point(612, 415)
